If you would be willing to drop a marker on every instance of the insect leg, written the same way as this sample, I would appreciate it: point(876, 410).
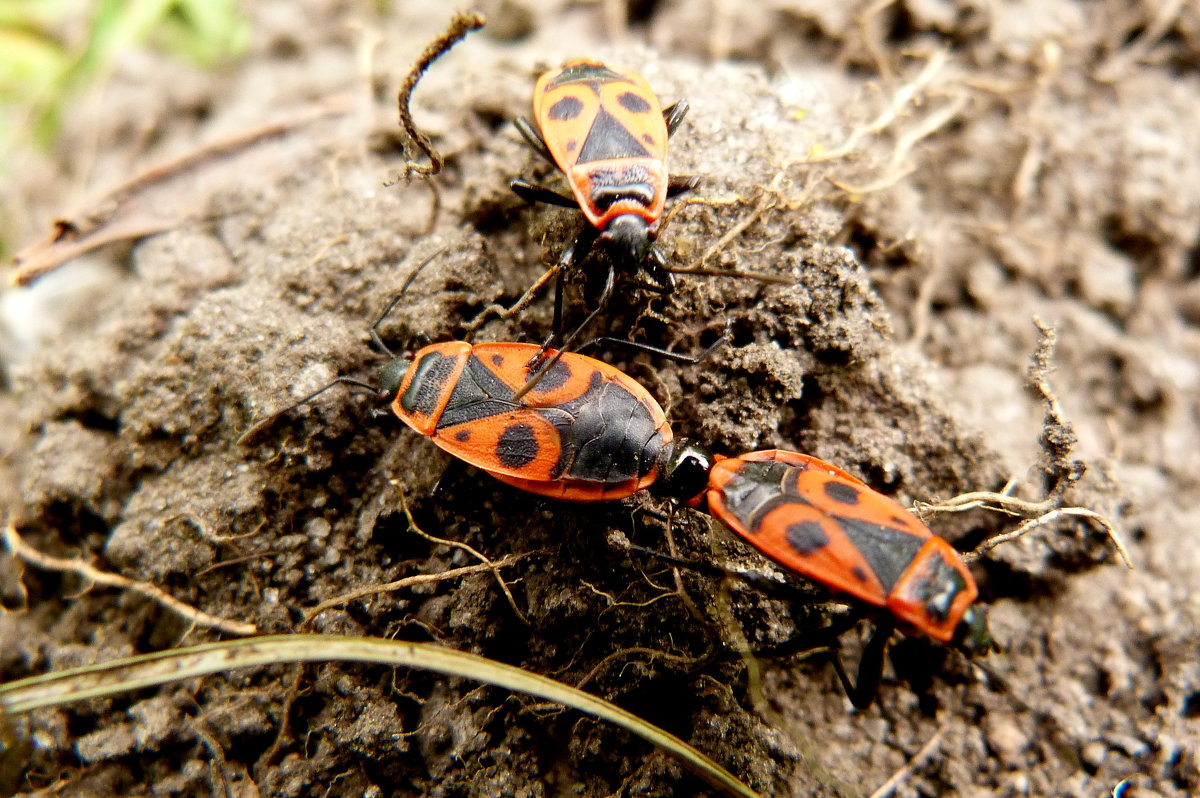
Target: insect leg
point(678, 357)
point(534, 139)
point(673, 114)
point(680, 184)
point(870, 668)
point(756, 579)
point(580, 247)
point(531, 192)
point(656, 267)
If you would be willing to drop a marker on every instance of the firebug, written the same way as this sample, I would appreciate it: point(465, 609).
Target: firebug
point(820, 522)
point(604, 128)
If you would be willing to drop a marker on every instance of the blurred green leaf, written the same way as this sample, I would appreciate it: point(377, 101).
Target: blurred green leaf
point(52, 49)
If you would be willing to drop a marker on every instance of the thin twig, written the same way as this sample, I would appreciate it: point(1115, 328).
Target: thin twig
point(1117, 63)
point(910, 766)
point(1062, 471)
point(116, 216)
point(91, 574)
point(412, 524)
point(765, 202)
point(1053, 515)
point(218, 767)
point(652, 653)
point(496, 309)
point(613, 601)
point(898, 167)
point(410, 581)
point(905, 96)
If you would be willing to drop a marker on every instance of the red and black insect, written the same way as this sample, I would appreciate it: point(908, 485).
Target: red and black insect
point(822, 523)
point(586, 431)
point(605, 130)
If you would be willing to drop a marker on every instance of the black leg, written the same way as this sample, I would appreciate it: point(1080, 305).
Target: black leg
point(555, 333)
point(531, 192)
point(534, 139)
point(755, 579)
point(556, 328)
point(579, 248)
point(870, 668)
point(863, 690)
point(680, 184)
point(825, 637)
point(678, 357)
point(541, 368)
point(610, 284)
point(673, 114)
point(656, 267)
point(453, 470)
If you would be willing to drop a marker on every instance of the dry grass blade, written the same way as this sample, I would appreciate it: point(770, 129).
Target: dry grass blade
point(148, 670)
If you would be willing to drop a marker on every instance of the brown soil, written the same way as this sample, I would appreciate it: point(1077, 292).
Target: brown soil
point(1045, 166)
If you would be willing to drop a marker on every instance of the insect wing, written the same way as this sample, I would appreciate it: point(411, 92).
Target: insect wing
point(585, 422)
point(817, 520)
point(588, 111)
point(935, 591)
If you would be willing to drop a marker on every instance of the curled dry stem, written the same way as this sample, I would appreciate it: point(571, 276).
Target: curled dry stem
point(459, 27)
point(485, 566)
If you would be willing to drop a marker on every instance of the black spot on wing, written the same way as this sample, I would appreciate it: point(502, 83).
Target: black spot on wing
point(518, 446)
point(565, 109)
point(556, 377)
point(497, 360)
point(633, 103)
point(841, 492)
point(859, 573)
point(608, 138)
point(887, 550)
point(646, 137)
point(807, 537)
point(463, 435)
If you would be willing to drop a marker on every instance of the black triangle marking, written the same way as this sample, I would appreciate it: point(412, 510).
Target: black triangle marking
point(888, 551)
point(607, 139)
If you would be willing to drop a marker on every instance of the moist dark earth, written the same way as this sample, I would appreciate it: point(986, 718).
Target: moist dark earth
point(932, 178)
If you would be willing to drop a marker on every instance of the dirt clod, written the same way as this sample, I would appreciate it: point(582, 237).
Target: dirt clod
point(930, 177)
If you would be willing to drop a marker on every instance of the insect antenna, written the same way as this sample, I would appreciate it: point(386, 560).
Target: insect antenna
point(376, 341)
point(266, 421)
